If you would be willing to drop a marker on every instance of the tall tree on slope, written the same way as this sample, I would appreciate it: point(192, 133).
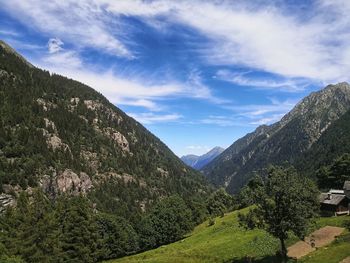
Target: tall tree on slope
point(285, 202)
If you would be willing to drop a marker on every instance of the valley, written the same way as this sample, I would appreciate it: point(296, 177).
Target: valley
point(174, 131)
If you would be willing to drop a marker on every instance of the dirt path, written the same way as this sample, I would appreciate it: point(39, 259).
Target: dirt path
point(319, 238)
point(345, 260)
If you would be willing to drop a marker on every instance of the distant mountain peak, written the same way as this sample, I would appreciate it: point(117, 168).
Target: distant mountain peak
point(198, 162)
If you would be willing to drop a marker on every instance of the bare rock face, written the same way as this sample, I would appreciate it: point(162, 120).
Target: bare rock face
point(70, 182)
point(91, 159)
point(50, 124)
point(67, 182)
point(118, 138)
point(46, 104)
point(162, 172)
point(99, 107)
point(5, 201)
point(52, 139)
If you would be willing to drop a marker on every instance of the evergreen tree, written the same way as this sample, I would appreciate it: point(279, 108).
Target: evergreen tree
point(38, 233)
point(117, 237)
point(78, 230)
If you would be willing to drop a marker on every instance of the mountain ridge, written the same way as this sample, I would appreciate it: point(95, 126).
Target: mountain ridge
point(282, 141)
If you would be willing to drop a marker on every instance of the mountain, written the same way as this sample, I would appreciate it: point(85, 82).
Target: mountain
point(198, 162)
point(333, 143)
point(64, 137)
point(283, 141)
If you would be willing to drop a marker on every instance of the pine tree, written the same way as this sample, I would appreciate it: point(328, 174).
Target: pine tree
point(78, 228)
point(38, 233)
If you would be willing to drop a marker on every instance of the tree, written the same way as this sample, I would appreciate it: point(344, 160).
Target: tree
point(78, 230)
point(219, 202)
point(168, 221)
point(336, 174)
point(38, 234)
point(117, 237)
point(285, 202)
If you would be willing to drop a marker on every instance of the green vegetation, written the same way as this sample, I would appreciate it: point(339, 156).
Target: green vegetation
point(71, 229)
point(49, 123)
point(334, 175)
point(53, 131)
point(332, 144)
point(285, 203)
point(223, 241)
point(227, 241)
point(167, 222)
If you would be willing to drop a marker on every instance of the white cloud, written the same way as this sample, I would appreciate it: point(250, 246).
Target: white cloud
point(83, 23)
point(243, 79)
point(55, 45)
point(253, 110)
point(251, 115)
point(268, 120)
point(151, 118)
point(133, 90)
point(264, 37)
point(145, 103)
point(8, 32)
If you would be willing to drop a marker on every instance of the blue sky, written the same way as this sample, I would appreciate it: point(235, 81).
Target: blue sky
point(197, 74)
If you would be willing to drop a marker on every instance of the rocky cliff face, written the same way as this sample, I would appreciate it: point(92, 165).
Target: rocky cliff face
point(283, 141)
point(65, 137)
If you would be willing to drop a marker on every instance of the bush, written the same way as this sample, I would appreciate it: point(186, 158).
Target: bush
point(211, 221)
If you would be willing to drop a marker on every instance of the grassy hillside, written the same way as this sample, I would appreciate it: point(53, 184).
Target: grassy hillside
point(227, 242)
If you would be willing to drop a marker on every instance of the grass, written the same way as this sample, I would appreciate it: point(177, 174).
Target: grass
point(226, 241)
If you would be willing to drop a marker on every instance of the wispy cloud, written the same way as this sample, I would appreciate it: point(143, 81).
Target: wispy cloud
point(264, 37)
point(55, 45)
point(131, 89)
point(251, 114)
point(272, 83)
point(8, 32)
point(151, 118)
point(258, 114)
point(83, 23)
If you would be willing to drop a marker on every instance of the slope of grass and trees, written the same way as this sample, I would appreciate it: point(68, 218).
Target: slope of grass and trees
point(285, 203)
point(228, 241)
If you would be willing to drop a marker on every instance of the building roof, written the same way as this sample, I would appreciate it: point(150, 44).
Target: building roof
point(336, 191)
point(334, 200)
point(347, 185)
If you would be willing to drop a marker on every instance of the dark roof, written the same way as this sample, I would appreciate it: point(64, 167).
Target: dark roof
point(347, 185)
point(335, 199)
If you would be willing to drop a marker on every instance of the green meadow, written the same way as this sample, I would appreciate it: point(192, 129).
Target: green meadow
point(226, 241)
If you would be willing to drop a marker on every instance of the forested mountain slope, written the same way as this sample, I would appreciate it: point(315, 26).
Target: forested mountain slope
point(63, 136)
point(284, 141)
point(332, 144)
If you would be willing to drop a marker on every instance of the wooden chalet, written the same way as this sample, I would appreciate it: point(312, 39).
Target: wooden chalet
point(336, 202)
